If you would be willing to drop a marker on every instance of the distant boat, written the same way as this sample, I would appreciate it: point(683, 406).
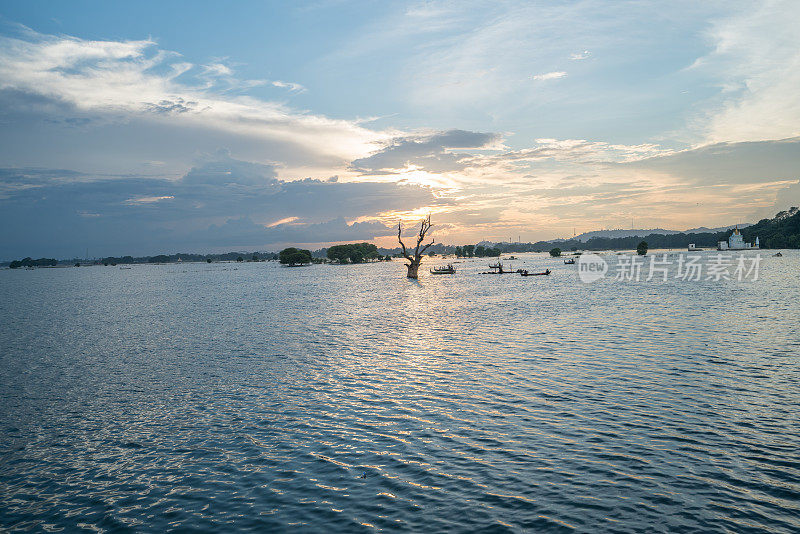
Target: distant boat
point(694, 248)
point(526, 273)
point(570, 261)
point(447, 269)
point(778, 255)
point(498, 268)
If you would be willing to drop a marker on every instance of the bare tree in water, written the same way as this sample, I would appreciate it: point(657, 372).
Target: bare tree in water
point(416, 259)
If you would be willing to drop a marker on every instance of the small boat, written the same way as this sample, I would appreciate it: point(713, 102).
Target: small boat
point(778, 255)
point(526, 273)
point(447, 269)
point(499, 268)
point(570, 261)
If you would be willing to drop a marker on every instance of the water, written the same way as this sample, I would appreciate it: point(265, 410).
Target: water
point(348, 398)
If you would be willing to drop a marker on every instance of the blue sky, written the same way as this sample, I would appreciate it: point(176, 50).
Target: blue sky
point(499, 118)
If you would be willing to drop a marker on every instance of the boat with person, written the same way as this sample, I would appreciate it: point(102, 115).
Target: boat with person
point(546, 272)
point(447, 269)
point(570, 261)
point(499, 268)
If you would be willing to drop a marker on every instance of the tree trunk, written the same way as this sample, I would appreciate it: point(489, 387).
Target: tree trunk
point(416, 259)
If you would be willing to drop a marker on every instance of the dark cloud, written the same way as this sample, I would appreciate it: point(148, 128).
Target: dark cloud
point(431, 152)
point(243, 231)
point(179, 105)
point(51, 212)
point(44, 131)
point(731, 163)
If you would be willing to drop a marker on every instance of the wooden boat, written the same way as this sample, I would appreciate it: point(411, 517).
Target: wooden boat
point(498, 268)
point(447, 269)
point(526, 273)
point(570, 261)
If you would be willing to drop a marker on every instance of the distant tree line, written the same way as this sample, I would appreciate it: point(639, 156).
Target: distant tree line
point(782, 231)
point(29, 262)
point(172, 258)
point(353, 253)
point(477, 251)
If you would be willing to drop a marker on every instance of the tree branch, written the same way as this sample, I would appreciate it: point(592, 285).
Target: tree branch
point(425, 225)
point(399, 231)
point(421, 252)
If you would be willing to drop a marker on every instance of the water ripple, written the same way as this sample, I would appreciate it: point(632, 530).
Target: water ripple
point(350, 399)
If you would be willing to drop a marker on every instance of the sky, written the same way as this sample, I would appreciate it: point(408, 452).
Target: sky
point(157, 127)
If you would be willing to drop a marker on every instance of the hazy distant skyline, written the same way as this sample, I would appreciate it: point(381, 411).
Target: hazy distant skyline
point(195, 126)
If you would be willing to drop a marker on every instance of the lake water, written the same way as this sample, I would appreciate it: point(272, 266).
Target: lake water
point(348, 398)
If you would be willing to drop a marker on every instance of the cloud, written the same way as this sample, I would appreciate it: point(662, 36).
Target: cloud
point(51, 212)
point(755, 62)
point(730, 163)
point(178, 105)
point(480, 60)
point(431, 152)
point(131, 118)
point(148, 200)
point(244, 232)
point(293, 87)
point(549, 76)
point(217, 69)
point(131, 83)
point(570, 150)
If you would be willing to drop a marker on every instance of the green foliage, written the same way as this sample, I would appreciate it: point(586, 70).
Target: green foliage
point(555, 252)
point(782, 231)
point(641, 248)
point(293, 256)
point(479, 251)
point(353, 253)
point(486, 252)
point(29, 262)
point(114, 260)
point(208, 260)
point(240, 259)
point(161, 258)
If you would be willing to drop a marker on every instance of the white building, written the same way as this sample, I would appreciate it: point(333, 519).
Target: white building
point(736, 242)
